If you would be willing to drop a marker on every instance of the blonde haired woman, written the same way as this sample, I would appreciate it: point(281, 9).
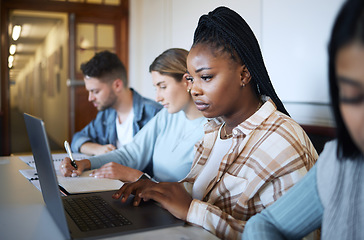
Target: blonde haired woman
point(167, 141)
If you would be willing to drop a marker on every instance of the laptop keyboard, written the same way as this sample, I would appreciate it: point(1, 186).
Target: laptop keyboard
point(92, 213)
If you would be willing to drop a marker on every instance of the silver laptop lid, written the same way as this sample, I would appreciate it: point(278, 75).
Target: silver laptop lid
point(46, 172)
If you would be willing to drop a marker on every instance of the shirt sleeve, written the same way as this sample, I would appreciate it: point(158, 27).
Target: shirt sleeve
point(214, 220)
point(87, 134)
point(293, 216)
point(136, 154)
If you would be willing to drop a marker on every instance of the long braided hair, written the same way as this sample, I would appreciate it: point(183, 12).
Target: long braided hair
point(225, 29)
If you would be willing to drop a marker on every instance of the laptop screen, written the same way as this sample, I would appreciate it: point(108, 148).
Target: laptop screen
point(147, 216)
point(46, 172)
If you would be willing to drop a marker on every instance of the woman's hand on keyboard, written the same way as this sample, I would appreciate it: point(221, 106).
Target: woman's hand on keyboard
point(172, 196)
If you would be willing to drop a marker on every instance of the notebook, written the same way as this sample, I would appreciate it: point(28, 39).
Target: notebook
point(76, 185)
point(129, 219)
point(57, 158)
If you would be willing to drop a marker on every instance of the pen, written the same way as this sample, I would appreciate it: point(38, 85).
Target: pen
point(68, 150)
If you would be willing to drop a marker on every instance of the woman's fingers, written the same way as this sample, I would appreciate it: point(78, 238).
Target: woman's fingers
point(135, 188)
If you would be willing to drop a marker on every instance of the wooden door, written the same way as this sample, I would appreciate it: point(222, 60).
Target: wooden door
point(89, 35)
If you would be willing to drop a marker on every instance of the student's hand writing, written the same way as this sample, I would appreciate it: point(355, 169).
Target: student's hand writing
point(117, 171)
point(172, 196)
point(68, 170)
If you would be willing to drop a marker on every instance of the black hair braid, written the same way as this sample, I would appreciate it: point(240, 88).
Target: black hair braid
point(226, 29)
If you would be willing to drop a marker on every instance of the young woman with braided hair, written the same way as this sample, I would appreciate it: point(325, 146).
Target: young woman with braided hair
point(252, 151)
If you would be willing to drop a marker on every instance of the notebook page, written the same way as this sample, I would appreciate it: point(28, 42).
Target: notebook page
point(85, 183)
point(30, 174)
point(57, 158)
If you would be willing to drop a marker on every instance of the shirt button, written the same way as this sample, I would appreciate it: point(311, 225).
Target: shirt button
point(235, 131)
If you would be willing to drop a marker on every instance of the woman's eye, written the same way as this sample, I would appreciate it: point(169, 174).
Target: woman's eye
point(162, 86)
point(350, 94)
point(352, 100)
point(206, 77)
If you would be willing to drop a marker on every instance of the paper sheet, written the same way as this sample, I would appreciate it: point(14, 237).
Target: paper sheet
point(85, 183)
point(81, 184)
point(57, 158)
point(30, 174)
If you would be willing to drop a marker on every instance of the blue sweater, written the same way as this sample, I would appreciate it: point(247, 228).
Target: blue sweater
point(331, 195)
point(167, 141)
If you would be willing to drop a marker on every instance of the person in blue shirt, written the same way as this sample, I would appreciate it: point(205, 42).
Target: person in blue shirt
point(122, 111)
point(331, 195)
point(167, 141)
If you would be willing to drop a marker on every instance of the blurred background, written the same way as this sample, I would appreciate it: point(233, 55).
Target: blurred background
point(43, 43)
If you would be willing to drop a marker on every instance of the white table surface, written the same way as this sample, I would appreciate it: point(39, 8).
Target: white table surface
point(23, 214)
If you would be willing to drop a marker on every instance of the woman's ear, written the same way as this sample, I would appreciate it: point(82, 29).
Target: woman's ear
point(245, 76)
point(185, 81)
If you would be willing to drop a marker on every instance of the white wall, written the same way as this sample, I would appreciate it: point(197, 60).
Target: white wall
point(293, 37)
point(156, 25)
point(294, 44)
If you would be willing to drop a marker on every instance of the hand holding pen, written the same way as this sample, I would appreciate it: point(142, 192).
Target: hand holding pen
point(73, 162)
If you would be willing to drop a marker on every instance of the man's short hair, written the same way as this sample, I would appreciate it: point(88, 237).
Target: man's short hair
point(105, 66)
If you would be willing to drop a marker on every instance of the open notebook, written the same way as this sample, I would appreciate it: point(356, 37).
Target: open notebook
point(75, 185)
point(85, 183)
point(57, 158)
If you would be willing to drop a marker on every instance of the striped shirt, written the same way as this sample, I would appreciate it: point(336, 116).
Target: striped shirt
point(269, 154)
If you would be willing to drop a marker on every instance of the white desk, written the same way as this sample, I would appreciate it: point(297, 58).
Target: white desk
point(23, 214)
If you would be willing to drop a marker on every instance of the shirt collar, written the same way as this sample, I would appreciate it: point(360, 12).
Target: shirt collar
point(138, 105)
point(137, 108)
point(250, 124)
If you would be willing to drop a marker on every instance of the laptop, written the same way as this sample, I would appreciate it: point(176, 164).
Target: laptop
point(128, 219)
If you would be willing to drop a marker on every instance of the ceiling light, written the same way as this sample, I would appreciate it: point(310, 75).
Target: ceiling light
point(11, 59)
point(12, 49)
point(16, 32)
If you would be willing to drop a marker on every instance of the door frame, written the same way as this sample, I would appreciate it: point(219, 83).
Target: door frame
point(120, 12)
point(78, 95)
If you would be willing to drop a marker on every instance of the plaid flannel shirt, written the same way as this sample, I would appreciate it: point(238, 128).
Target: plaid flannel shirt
point(269, 154)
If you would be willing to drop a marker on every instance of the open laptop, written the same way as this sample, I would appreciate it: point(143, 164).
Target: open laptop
point(130, 219)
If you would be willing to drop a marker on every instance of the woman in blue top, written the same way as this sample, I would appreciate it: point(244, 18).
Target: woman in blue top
point(166, 142)
point(331, 195)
